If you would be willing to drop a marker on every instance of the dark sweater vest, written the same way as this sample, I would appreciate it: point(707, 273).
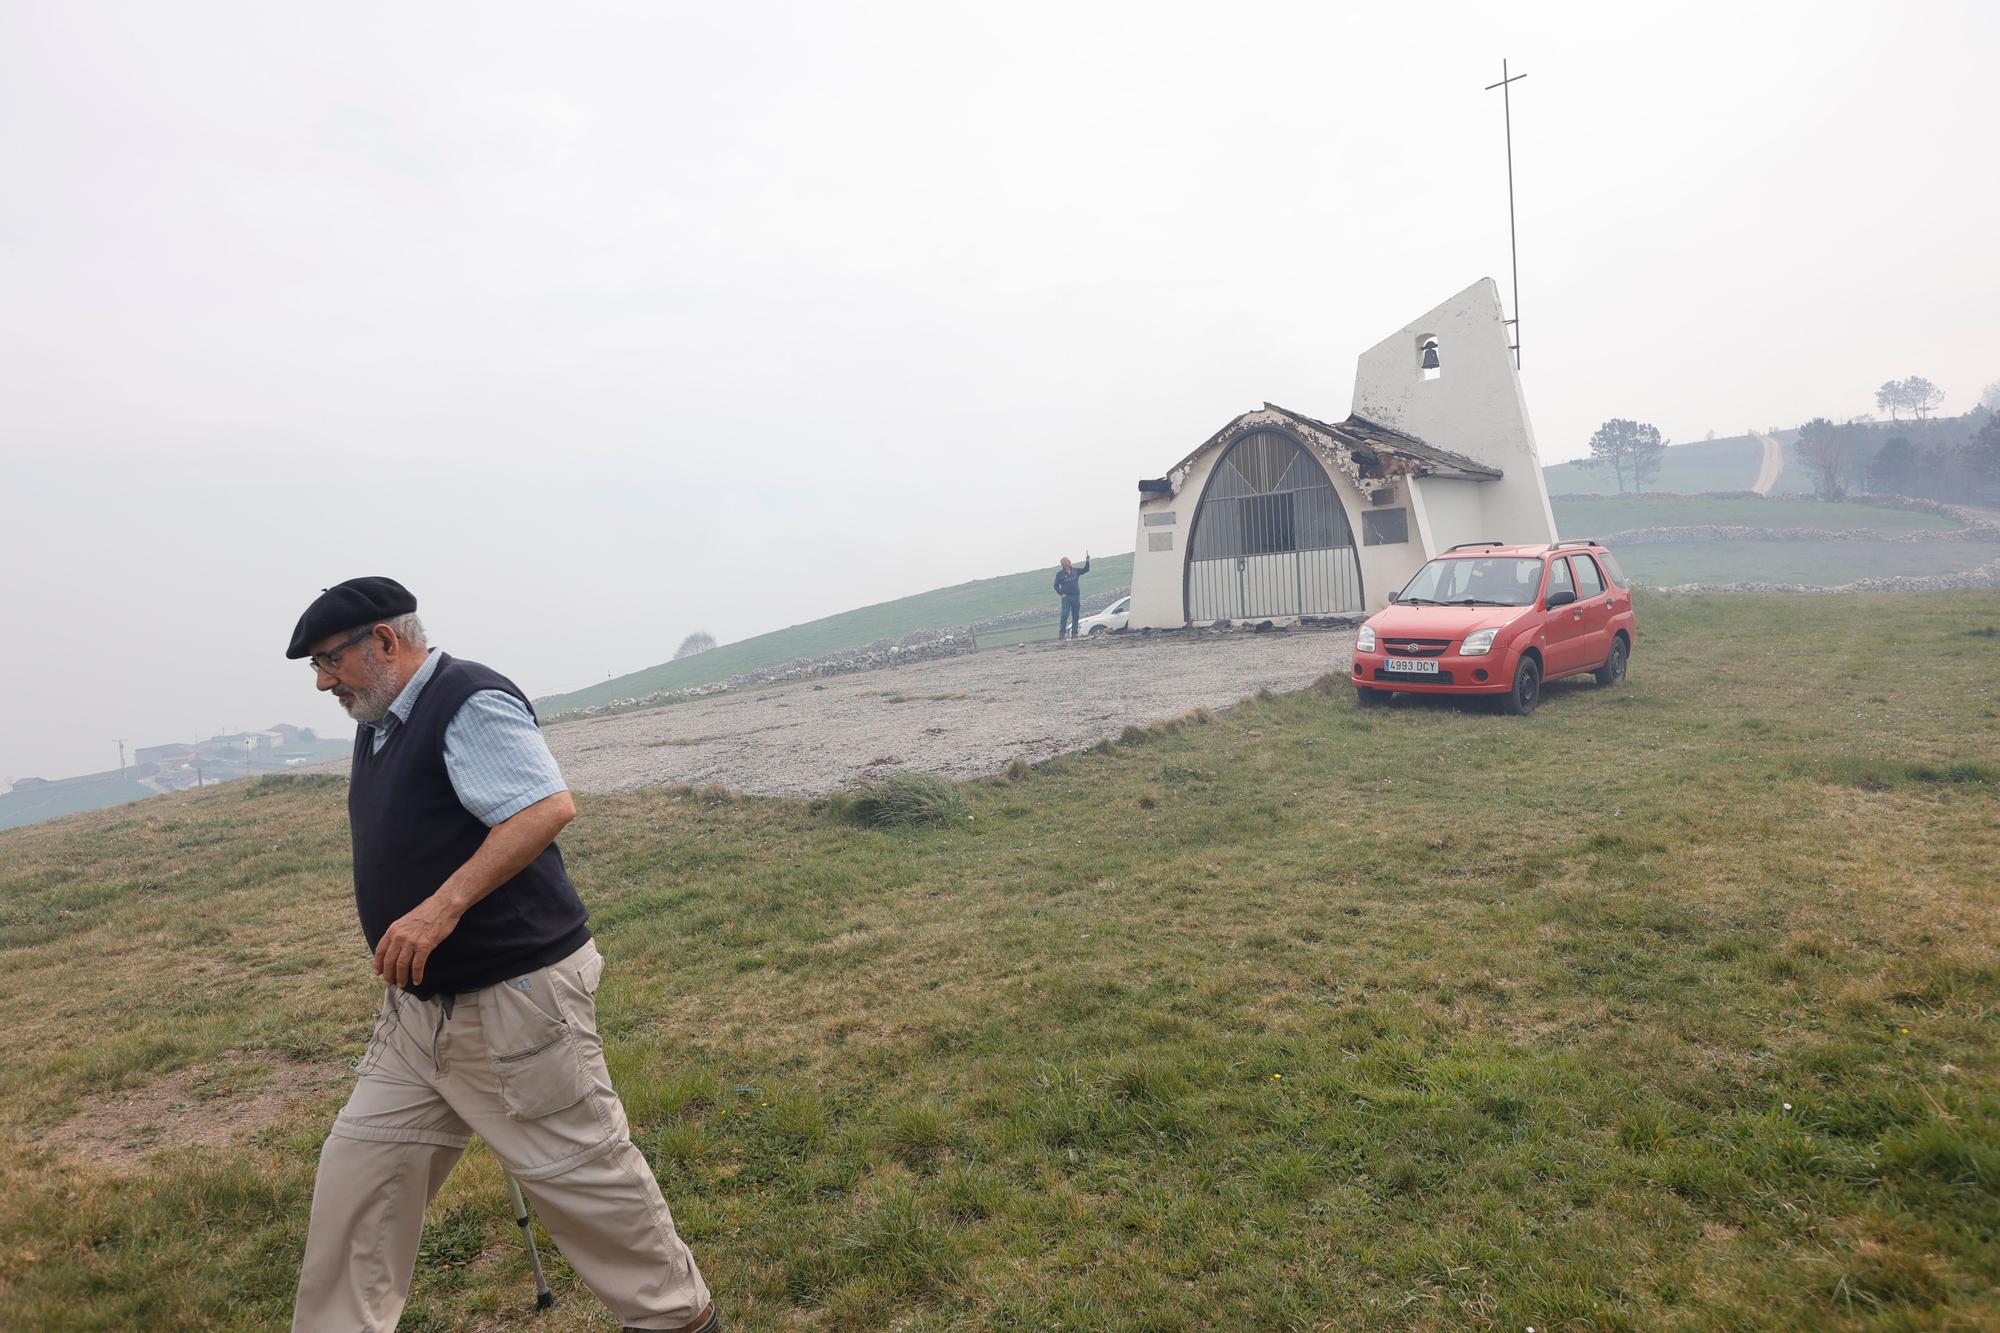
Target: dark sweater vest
point(410, 834)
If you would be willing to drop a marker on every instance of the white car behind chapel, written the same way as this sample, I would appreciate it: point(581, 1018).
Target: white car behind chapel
point(1110, 618)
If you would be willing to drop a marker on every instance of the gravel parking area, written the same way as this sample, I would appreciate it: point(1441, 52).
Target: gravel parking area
point(961, 717)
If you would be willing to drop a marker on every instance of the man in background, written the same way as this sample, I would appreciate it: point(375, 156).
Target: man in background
point(488, 1024)
point(1069, 587)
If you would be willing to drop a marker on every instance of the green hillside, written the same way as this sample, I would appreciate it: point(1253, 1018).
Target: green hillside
point(941, 608)
point(1710, 465)
point(1670, 1007)
point(1809, 563)
point(93, 791)
point(1601, 518)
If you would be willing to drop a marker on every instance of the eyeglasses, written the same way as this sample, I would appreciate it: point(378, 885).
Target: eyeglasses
point(329, 661)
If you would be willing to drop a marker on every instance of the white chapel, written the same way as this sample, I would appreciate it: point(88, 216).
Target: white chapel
point(1278, 515)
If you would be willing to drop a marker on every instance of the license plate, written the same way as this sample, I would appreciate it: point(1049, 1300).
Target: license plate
point(1421, 666)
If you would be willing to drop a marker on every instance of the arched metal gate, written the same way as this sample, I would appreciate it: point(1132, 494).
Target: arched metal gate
point(1270, 537)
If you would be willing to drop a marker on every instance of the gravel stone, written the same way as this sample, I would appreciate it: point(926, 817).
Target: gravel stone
point(959, 717)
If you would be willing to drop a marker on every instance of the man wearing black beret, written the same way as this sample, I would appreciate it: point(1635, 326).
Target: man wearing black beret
point(488, 1023)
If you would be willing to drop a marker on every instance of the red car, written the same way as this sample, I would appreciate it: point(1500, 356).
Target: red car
point(1493, 620)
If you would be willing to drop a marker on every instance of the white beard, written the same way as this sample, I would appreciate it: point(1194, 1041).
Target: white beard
point(370, 702)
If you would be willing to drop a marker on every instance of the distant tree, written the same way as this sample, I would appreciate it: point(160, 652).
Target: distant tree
point(1710, 435)
point(1893, 466)
point(1631, 449)
point(1989, 397)
point(1982, 457)
point(1924, 396)
point(698, 642)
point(1825, 450)
point(1915, 395)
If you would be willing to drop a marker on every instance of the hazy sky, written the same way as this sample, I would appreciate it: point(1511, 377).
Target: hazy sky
point(601, 324)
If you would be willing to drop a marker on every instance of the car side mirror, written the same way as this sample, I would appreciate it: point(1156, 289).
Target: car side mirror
point(1395, 597)
point(1563, 598)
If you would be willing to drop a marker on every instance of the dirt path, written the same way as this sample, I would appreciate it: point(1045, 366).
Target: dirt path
point(1774, 463)
point(961, 717)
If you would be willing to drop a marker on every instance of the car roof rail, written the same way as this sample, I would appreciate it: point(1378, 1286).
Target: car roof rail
point(1576, 541)
point(1467, 546)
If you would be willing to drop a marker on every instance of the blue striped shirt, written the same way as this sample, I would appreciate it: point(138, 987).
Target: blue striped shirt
point(498, 762)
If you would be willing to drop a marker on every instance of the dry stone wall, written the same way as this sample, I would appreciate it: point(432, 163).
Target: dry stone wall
point(1976, 527)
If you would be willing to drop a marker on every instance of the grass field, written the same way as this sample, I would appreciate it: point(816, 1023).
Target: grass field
point(1671, 1007)
point(1601, 518)
point(942, 608)
point(1822, 564)
point(1708, 465)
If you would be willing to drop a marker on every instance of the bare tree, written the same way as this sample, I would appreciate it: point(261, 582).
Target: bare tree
point(1915, 395)
point(1924, 396)
point(698, 642)
point(1631, 449)
point(1826, 450)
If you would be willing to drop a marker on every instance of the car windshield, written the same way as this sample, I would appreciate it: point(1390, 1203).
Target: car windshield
point(1476, 581)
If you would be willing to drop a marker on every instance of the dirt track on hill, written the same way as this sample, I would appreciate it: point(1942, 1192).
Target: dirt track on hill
point(962, 717)
point(1772, 464)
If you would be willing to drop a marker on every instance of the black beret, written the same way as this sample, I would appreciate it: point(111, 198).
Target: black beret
point(350, 605)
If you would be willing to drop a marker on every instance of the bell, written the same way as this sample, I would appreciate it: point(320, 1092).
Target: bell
point(1430, 356)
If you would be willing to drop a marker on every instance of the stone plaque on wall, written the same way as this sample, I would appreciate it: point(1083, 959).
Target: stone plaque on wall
point(1160, 541)
point(1384, 527)
point(1165, 520)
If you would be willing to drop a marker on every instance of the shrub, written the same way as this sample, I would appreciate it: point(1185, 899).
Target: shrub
point(906, 800)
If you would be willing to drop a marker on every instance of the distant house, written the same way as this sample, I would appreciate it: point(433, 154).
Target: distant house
point(234, 748)
point(166, 756)
point(27, 784)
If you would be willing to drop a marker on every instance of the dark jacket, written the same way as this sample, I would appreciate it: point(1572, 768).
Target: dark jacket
point(1069, 582)
point(410, 833)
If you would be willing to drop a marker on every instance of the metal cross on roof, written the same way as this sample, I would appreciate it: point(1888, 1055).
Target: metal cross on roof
point(1513, 250)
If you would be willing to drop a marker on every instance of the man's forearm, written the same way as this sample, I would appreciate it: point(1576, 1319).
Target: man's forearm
point(508, 848)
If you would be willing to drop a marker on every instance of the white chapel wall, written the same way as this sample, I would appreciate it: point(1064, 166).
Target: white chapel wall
point(1159, 560)
point(1474, 406)
point(1447, 511)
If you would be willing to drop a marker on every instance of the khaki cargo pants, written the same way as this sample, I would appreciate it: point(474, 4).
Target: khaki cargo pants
point(520, 1065)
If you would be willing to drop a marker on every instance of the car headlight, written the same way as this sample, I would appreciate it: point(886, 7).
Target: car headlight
point(1364, 642)
point(1478, 643)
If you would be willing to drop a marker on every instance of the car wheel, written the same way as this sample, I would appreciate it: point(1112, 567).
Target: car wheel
point(1368, 698)
point(1527, 691)
point(1096, 630)
point(1613, 669)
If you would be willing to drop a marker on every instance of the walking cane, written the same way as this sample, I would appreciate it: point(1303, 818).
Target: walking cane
point(544, 1298)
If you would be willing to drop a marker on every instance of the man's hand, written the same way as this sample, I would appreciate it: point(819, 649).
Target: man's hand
point(406, 946)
